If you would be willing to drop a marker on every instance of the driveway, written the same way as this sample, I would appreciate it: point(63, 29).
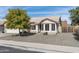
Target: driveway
point(64, 39)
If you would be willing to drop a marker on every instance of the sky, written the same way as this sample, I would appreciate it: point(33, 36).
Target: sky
point(36, 11)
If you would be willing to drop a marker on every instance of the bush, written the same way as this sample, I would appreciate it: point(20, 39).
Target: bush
point(77, 32)
point(46, 33)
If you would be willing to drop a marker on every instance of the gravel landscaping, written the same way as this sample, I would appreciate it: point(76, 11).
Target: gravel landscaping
point(66, 39)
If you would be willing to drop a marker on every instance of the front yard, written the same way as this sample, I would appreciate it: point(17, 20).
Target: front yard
point(66, 39)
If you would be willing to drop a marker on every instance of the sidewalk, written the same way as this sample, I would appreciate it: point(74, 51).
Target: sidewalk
point(5, 35)
point(39, 47)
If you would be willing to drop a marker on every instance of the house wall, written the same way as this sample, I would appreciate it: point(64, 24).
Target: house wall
point(35, 31)
point(11, 30)
point(50, 31)
point(60, 29)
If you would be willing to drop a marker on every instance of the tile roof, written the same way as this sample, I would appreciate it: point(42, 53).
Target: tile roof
point(39, 19)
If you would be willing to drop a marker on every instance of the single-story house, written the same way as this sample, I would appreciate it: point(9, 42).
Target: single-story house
point(49, 24)
point(46, 24)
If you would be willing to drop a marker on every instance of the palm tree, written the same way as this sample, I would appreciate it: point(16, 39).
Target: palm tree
point(17, 19)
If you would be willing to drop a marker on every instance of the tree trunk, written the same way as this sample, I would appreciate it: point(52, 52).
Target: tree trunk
point(19, 32)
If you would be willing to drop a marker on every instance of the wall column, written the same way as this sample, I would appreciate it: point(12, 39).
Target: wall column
point(36, 28)
point(44, 27)
point(50, 27)
point(56, 29)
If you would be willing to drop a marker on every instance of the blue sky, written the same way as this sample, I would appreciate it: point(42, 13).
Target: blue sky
point(35, 11)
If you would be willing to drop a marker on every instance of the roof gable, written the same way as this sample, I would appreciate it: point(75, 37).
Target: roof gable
point(48, 20)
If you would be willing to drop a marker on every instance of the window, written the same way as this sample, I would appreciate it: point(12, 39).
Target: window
point(47, 27)
point(33, 27)
point(53, 26)
point(41, 26)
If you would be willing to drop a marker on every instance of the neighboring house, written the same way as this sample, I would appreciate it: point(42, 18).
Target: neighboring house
point(49, 24)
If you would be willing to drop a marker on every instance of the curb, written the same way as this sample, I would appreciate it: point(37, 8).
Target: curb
point(39, 47)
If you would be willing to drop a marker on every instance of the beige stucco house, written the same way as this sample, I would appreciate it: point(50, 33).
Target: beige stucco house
point(50, 24)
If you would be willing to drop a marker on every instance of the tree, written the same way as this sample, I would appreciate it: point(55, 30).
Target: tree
point(17, 19)
point(74, 15)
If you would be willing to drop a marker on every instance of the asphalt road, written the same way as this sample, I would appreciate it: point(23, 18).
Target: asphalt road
point(4, 49)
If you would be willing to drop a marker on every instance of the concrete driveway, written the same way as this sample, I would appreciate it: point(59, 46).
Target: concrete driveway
point(64, 39)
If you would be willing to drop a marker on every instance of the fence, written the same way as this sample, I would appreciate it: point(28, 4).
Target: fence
point(67, 29)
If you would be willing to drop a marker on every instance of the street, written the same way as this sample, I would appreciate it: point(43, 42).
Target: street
point(4, 49)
